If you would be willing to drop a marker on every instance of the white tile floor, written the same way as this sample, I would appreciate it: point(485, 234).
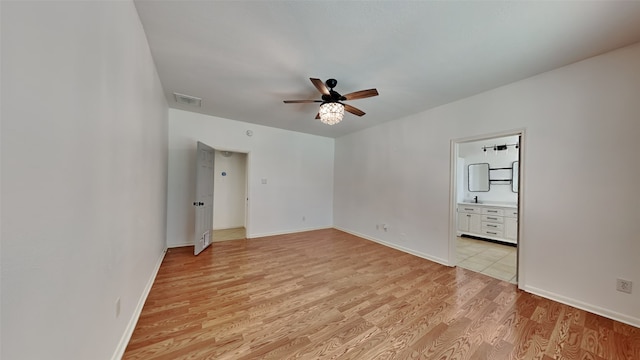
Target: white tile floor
point(495, 260)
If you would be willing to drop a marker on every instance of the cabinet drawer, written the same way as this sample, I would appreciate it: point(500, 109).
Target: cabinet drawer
point(469, 209)
point(511, 213)
point(492, 226)
point(491, 232)
point(490, 211)
point(493, 218)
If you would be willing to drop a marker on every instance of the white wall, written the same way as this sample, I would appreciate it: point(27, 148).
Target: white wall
point(580, 223)
point(84, 161)
point(472, 153)
point(298, 169)
point(230, 190)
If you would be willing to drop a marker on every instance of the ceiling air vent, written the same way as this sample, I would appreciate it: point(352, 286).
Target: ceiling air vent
point(187, 100)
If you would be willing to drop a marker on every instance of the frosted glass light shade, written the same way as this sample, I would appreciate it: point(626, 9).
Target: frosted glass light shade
point(331, 113)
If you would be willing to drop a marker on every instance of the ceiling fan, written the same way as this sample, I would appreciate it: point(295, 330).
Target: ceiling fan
point(332, 107)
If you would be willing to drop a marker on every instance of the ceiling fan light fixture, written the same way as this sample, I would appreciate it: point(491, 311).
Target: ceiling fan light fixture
point(331, 113)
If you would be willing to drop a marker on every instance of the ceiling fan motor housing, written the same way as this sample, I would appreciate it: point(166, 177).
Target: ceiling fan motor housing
point(333, 96)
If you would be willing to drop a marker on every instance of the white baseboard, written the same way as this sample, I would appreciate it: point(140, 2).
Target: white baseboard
point(398, 247)
point(630, 320)
point(257, 235)
point(286, 232)
point(124, 340)
point(171, 246)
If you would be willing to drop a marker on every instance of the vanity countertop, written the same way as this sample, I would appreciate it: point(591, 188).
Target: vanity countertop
point(505, 205)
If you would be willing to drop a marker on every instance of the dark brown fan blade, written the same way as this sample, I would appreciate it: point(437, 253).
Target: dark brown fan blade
point(317, 116)
point(361, 94)
point(320, 86)
point(353, 110)
point(300, 101)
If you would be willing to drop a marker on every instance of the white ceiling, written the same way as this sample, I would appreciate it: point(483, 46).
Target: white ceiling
point(244, 57)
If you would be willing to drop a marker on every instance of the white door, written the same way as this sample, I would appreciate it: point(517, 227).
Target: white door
point(475, 223)
point(463, 222)
point(204, 197)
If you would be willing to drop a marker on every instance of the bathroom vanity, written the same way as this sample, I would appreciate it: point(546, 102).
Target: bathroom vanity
point(490, 221)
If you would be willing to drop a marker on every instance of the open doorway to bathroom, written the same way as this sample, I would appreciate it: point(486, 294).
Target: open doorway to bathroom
point(230, 198)
point(486, 204)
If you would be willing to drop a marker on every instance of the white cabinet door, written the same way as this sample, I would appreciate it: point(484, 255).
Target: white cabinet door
point(475, 223)
point(511, 228)
point(463, 222)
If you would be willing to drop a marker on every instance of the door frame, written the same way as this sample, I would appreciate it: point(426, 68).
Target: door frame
point(453, 196)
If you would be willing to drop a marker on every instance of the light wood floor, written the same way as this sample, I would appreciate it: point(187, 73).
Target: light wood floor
point(330, 295)
point(228, 234)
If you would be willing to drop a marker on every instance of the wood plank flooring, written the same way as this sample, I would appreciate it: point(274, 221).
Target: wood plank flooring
point(330, 295)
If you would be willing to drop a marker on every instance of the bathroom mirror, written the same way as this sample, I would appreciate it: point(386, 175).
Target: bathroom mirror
point(479, 177)
point(515, 171)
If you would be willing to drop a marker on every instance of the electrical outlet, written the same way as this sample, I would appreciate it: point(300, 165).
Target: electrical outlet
point(624, 286)
point(117, 307)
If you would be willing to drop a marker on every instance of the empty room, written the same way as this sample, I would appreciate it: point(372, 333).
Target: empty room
point(319, 180)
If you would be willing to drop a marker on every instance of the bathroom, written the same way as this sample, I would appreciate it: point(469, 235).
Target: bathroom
point(487, 206)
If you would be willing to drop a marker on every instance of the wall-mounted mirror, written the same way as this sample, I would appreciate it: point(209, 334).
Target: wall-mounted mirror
point(479, 177)
point(515, 171)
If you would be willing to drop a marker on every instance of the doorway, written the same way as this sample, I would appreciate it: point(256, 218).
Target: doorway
point(485, 202)
point(230, 200)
